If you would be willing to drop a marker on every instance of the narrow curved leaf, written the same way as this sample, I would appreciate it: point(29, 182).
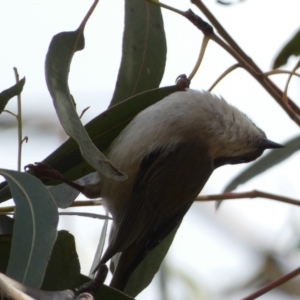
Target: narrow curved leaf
point(6, 225)
point(105, 292)
point(34, 231)
point(291, 48)
point(103, 129)
point(14, 290)
point(13, 91)
point(100, 246)
point(273, 158)
point(5, 246)
point(143, 52)
point(57, 66)
point(145, 272)
point(63, 270)
point(109, 293)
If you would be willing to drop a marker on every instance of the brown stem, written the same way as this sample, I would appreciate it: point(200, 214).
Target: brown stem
point(19, 120)
point(251, 194)
point(269, 86)
point(273, 285)
point(225, 73)
point(285, 97)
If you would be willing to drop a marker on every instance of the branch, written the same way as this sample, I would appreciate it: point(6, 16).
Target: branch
point(251, 194)
point(223, 75)
point(273, 285)
point(290, 107)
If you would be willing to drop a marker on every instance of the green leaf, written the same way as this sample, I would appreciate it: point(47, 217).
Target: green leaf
point(273, 158)
point(100, 247)
point(13, 91)
point(108, 293)
point(63, 270)
point(145, 272)
point(58, 60)
point(291, 48)
point(144, 50)
point(105, 292)
point(103, 130)
point(5, 246)
point(6, 225)
point(34, 234)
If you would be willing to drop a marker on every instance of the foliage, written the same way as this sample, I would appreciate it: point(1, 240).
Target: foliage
point(137, 87)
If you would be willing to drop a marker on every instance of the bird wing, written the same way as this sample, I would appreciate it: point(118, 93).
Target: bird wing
point(167, 183)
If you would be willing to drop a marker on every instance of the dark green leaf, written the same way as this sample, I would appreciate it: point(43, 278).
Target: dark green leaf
point(100, 246)
point(144, 50)
point(106, 292)
point(5, 246)
point(13, 91)
point(34, 232)
point(145, 272)
point(273, 158)
point(63, 270)
point(6, 225)
point(103, 130)
point(58, 60)
point(291, 48)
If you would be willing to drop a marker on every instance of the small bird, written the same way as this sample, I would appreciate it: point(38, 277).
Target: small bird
point(169, 151)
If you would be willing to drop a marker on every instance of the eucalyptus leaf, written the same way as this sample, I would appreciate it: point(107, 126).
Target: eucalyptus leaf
point(144, 50)
point(273, 158)
point(292, 47)
point(57, 66)
point(8, 94)
point(6, 225)
point(103, 129)
point(34, 233)
point(63, 270)
point(105, 292)
point(5, 246)
point(100, 246)
point(144, 273)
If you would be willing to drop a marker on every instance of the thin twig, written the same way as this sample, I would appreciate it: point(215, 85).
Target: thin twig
point(202, 198)
point(224, 74)
point(19, 121)
point(9, 209)
point(269, 86)
point(285, 97)
point(273, 285)
point(83, 112)
point(83, 23)
point(160, 4)
point(10, 112)
point(200, 58)
point(251, 194)
point(24, 139)
point(276, 72)
point(87, 203)
point(232, 47)
point(85, 214)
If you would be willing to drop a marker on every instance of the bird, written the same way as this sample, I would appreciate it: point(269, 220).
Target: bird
point(168, 151)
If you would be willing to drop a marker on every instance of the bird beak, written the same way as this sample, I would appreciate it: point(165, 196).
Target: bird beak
point(267, 144)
